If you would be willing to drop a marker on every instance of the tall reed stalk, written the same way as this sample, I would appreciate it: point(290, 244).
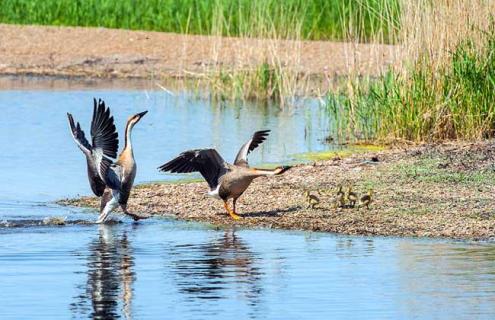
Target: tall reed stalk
point(445, 87)
point(267, 60)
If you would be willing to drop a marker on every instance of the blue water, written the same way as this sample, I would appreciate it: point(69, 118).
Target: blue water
point(162, 268)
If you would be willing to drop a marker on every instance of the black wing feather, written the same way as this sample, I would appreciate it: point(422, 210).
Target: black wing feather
point(253, 143)
point(258, 138)
point(78, 133)
point(103, 131)
point(205, 161)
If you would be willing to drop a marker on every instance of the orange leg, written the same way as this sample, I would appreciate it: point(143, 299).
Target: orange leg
point(231, 213)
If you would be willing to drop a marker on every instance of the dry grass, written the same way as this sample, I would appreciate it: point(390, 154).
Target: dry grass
point(277, 73)
point(431, 30)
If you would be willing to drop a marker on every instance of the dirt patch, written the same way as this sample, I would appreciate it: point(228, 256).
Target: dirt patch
point(431, 190)
point(112, 53)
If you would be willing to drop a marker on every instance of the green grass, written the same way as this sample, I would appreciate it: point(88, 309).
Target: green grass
point(456, 101)
point(315, 19)
point(429, 170)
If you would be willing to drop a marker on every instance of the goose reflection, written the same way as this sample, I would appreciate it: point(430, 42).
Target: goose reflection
point(212, 270)
point(107, 293)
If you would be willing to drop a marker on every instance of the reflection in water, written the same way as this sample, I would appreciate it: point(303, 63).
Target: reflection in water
point(440, 276)
point(110, 278)
point(349, 247)
point(210, 270)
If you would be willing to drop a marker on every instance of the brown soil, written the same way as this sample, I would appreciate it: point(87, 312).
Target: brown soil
point(435, 191)
point(111, 53)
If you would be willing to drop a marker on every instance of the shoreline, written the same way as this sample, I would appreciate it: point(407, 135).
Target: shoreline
point(436, 191)
point(102, 53)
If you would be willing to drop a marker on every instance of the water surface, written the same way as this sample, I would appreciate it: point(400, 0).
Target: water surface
point(161, 268)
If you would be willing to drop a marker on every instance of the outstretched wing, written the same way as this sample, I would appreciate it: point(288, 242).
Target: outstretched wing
point(104, 144)
point(78, 135)
point(253, 143)
point(103, 132)
point(104, 137)
point(205, 161)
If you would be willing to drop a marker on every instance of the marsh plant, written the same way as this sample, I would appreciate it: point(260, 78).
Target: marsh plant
point(445, 89)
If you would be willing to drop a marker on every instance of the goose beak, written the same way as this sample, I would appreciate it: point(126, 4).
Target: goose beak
point(282, 169)
point(138, 116)
point(141, 114)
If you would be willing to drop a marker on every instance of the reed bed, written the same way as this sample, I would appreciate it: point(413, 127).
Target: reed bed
point(272, 39)
point(443, 90)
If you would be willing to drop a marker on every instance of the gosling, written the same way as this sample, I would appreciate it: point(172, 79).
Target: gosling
point(311, 199)
point(352, 197)
point(366, 199)
point(340, 199)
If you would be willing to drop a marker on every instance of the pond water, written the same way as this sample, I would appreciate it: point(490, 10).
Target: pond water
point(162, 268)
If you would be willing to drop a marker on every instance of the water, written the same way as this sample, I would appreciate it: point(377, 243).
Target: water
point(161, 268)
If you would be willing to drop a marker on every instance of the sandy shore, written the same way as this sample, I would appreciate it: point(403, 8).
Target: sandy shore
point(112, 53)
point(433, 191)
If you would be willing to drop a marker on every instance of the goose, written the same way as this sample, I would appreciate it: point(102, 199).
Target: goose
point(226, 181)
point(112, 181)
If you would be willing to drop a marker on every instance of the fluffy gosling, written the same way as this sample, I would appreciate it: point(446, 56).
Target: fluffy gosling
point(311, 199)
point(366, 200)
point(352, 197)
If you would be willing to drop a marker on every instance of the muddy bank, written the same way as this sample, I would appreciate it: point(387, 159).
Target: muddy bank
point(431, 190)
point(112, 53)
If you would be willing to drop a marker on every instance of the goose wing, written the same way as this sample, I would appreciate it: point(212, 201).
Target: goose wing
point(205, 161)
point(257, 139)
point(114, 176)
point(104, 137)
point(104, 144)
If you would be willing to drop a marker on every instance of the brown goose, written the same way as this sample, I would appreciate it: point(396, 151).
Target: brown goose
point(111, 181)
point(225, 180)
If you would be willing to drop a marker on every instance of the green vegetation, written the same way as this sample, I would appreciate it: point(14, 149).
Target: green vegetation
point(453, 101)
point(342, 153)
point(314, 19)
point(430, 170)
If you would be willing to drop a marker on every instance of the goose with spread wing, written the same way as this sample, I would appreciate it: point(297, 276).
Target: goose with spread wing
point(226, 181)
point(111, 180)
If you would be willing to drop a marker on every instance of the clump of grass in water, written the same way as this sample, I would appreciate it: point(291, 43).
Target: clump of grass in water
point(455, 100)
point(262, 83)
